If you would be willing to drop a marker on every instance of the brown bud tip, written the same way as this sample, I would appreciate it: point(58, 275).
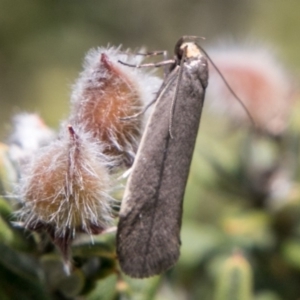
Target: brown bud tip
point(66, 188)
point(71, 131)
point(105, 94)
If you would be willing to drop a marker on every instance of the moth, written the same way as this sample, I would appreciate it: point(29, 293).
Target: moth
point(148, 234)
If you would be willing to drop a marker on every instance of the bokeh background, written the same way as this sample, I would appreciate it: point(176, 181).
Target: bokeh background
point(229, 209)
point(43, 42)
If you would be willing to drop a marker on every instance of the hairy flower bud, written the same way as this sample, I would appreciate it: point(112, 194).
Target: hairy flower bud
point(106, 93)
point(66, 188)
point(259, 80)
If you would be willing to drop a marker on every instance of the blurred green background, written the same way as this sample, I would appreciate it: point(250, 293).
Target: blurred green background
point(42, 43)
point(228, 211)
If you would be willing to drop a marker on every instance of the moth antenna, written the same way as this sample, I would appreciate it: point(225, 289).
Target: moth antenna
point(176, 93)
point(229, 87)
point(193, 37)
point(162, 93)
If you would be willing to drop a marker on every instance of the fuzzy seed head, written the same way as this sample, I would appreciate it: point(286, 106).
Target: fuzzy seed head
point(108, 91)
point(67, 186)
point(259, 80)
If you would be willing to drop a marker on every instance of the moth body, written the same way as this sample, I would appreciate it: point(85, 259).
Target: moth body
point(148, 236)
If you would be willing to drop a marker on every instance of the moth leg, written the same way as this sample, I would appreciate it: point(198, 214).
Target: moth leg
point(139, 113)
point(166, 68)
point(165, 63)
point(109, 230)
point(126, 174)
point(165, 55)
point(154, 53)
point(150, 65)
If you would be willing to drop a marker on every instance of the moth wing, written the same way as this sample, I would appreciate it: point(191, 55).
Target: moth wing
point(148, 236)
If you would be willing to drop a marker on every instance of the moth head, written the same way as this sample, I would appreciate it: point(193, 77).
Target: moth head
point(187, 47)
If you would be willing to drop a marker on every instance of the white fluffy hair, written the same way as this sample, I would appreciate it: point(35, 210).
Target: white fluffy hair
point(67, 185)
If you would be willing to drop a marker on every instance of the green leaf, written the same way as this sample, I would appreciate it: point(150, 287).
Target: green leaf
point(98, 245)
point(198, 241)
point(5, 208)
point(267, 295)
point(249, 229)
point(8, 174)
point(20, 264)
point(142, 289)
point(105, 289)
point(6, 233)
point(235, 279)
point(291, 252)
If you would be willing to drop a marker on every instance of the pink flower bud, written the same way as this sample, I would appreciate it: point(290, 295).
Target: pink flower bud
point(108, 91)
point(65, 189)
point(259, 80)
